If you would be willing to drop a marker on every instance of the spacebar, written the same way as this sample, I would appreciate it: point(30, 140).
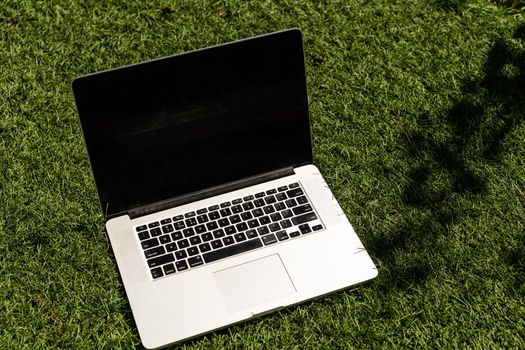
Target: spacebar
point(232, 250)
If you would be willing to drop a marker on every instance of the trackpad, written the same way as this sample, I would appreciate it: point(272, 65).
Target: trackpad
point(254, 283)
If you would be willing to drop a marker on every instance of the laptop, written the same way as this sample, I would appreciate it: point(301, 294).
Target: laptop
point(214, 210)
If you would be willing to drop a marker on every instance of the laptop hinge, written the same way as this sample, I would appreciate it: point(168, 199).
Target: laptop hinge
point(209, 192)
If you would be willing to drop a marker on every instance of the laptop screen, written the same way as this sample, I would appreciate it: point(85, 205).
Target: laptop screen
point(177, 125)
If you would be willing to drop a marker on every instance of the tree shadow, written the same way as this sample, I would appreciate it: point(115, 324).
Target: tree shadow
point(450, 5)
point(445, 175)
point(457, 6)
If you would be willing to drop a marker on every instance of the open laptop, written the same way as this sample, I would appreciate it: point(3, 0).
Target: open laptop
point(214, 210)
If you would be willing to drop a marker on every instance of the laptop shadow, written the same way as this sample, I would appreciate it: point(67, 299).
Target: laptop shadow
point(446, 173)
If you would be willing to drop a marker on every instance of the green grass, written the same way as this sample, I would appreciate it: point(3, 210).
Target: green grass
point(417, 109)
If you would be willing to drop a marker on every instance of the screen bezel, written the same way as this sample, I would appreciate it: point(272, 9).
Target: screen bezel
point(82, 96)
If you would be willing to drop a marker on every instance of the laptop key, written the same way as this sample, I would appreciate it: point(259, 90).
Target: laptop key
point(280, 196)
point(282, 188)
point(230, 230)
point(305, 229)
point(253, 223)
point(188, 232)
point(177, 235)
point(317, 227)
point(213, 207)
point(195, 240)
point(237, 201)
point(141, 228)
point(223, 222)
point(302, 200)
point(258, 203)
point(274, 227)
point(304, 218)
point(195, 261)
point(155, 232)
point(235, 219)
point(157, 272)
point(294, 193)
point(281, 235)
point(272, 191)
point(165, 221)
point(214, 215)
point(167, 228)
point(181, 265)
point(171, 247)
point(168, 269)
point(251, 234)
point(225, 204)
point(202, 211)
point(263, 230)
point(264, 220)
point(161, 260)
point(257, 212)
point(287, 213)
point(200, 229)
point(153, 252)
point(236, 209)
point(290, 203)
point(241, 227)
point(248, 206)
point(228, 240)
point(232, 250)
point(212, 225)
point(276, 217)
point(248, 198)
point(286, 223)
point(164, 239)
point(269, 209)
point(179, 225)
point(202, 218)
point(150, 243)
point(270, 200)
point(181, 254)
point(302, 209)
point(239, 237)
point(260, 194)
point(207, 237)
point(143, 235)
point(294, 234)
point(279, 206)
point(153, 224)
point(294, 185)
point(192, 251)
point(246, 216)
point(205, 247)
point(190, 214)
point(216, 244)
point(218, 233)
point(183, 244)
point(178, 218)
point(269, 239)
point(225, 212)
point(191, 222)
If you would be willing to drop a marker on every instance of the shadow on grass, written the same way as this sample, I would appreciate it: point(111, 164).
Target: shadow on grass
point(450, 5)
point(458, 5)
point(445, 169)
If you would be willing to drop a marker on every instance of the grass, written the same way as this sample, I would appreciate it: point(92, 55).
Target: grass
point(417, 109)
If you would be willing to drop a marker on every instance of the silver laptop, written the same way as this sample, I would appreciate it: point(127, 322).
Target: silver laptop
point(214, 210)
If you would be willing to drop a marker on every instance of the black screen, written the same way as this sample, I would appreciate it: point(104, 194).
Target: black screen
point(180, 124)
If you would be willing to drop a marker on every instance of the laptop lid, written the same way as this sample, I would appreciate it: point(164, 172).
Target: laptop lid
point(181, 124)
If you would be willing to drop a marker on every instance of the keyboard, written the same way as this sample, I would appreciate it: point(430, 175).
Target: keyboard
point(192, 239)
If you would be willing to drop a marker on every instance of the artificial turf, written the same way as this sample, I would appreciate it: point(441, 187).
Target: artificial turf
point(417, 111)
